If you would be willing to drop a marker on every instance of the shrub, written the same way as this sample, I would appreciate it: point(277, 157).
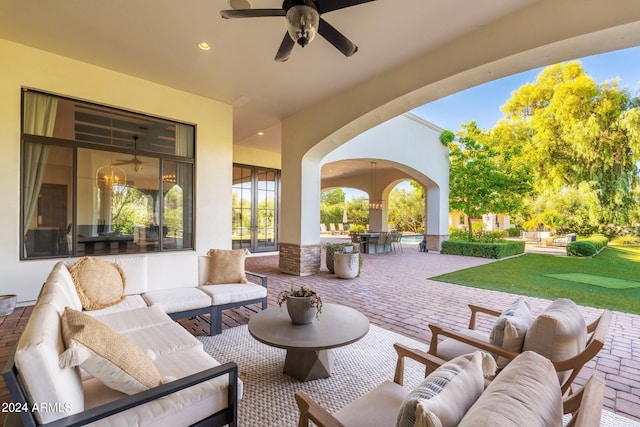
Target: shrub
point(494, 236)
point(494, 250)
point(458, 234)
point(357, 228)
point(513, 231)
point(598, 240)
point(581, 248)
point(626, 240)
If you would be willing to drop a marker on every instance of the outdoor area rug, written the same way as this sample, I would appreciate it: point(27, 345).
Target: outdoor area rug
point(592, 279)
point(359, 367)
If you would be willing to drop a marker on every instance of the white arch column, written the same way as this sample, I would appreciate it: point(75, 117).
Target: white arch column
point(436, 214)
point(300, 249)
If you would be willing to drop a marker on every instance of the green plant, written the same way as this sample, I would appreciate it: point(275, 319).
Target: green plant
point(581, 248)
point(334, 248)
point(495, 250)
point(302, 292)
point(357, 228)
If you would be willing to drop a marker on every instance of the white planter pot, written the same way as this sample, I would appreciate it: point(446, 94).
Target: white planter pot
point(346, 266)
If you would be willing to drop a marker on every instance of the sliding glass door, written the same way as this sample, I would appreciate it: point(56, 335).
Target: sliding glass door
point(255, 206)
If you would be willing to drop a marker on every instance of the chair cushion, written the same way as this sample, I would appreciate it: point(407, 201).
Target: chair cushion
point(559, 333)
point(443, 398)
point(451, 348)
point(99, 283)
point(228, 294)
point(378, 407)
point(185, 407)
point(108, 356)
point(511, 328)
point(227, 266)
point(525, 393)
point(176, 300)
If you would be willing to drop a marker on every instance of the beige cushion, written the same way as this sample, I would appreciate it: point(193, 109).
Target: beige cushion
point(450, 348)
point(99, 283)
point(443, 398)
point(37, 362)
point(525, 393)
point(227, 266)
point(378, 407)
point(108, 356)
point(511, 328)
point(559, 333)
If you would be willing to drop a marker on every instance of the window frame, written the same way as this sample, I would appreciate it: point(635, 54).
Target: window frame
point(75, 145)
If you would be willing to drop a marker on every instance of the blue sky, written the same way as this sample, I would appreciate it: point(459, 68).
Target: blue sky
point(482, 103)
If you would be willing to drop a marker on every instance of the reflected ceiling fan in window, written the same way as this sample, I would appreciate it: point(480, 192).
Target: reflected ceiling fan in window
point(303, 22)
point(135, 161)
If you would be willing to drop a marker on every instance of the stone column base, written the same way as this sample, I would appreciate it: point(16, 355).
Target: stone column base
point(300, 260)
point(434, 241)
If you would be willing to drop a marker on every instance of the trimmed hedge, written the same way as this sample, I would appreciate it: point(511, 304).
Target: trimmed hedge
point(482, 250)
point(587, 247)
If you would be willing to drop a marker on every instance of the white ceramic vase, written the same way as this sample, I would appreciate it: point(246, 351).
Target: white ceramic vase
point(346, 266)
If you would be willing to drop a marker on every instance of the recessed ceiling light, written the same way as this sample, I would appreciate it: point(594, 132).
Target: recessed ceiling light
point(204, 45)
point(260, 133)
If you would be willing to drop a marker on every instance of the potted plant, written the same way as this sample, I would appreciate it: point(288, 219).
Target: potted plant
point(340, 248)
point(347, 264)
point(303, 304)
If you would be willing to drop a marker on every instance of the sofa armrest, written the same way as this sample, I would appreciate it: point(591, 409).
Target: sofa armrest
point(429, 360)
point(437, 331)
point(586, 404)
point(228, 416)
point(475, 309)
point(310, 410)
point(261, 277)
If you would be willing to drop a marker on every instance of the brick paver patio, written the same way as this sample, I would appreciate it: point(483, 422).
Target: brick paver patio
point(395, 293)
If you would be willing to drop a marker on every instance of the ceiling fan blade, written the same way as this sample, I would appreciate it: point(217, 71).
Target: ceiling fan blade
point(285, 48)
point(336, 38)
point(122, 163)
point(251, 13)
point(325, 6)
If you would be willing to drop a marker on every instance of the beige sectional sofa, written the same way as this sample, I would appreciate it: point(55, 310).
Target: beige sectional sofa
point(60, 374)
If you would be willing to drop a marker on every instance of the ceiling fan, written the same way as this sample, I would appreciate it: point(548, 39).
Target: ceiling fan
point(135, 161)
point(303, 22)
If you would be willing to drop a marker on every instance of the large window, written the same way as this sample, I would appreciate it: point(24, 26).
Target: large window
point(98, 180)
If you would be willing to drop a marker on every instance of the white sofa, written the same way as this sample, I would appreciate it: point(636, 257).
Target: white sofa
point(158, 290)
point(176, 284)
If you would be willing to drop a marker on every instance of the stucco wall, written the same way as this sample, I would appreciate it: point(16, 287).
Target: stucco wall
point(23, 66)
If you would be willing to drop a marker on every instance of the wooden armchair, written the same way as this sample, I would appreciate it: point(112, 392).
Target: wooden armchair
point(472, 340)
point(380, 406)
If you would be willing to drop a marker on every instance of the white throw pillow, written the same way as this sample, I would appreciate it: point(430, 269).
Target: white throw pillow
point(443, 398)
point(511, 328)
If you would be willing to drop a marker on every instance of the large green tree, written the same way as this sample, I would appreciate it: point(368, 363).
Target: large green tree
point(574, 131)
point(481, 179)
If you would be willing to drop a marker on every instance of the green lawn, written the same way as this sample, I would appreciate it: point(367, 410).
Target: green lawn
point(530, 275)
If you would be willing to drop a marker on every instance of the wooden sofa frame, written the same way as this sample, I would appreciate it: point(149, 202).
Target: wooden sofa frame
point(25, 418)
point(585, 405)
point(598, 331)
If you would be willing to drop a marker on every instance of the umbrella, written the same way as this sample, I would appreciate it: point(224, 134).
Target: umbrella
point(344, 216)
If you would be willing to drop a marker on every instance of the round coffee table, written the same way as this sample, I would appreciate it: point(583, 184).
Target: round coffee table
point(309, 355)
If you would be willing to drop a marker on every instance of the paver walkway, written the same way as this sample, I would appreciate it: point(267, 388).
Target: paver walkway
point(393, 292)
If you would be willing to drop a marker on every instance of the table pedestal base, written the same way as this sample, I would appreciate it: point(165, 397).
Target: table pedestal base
point(306, 365)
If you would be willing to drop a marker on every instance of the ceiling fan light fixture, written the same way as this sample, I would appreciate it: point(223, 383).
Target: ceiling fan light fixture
point(302, 23)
